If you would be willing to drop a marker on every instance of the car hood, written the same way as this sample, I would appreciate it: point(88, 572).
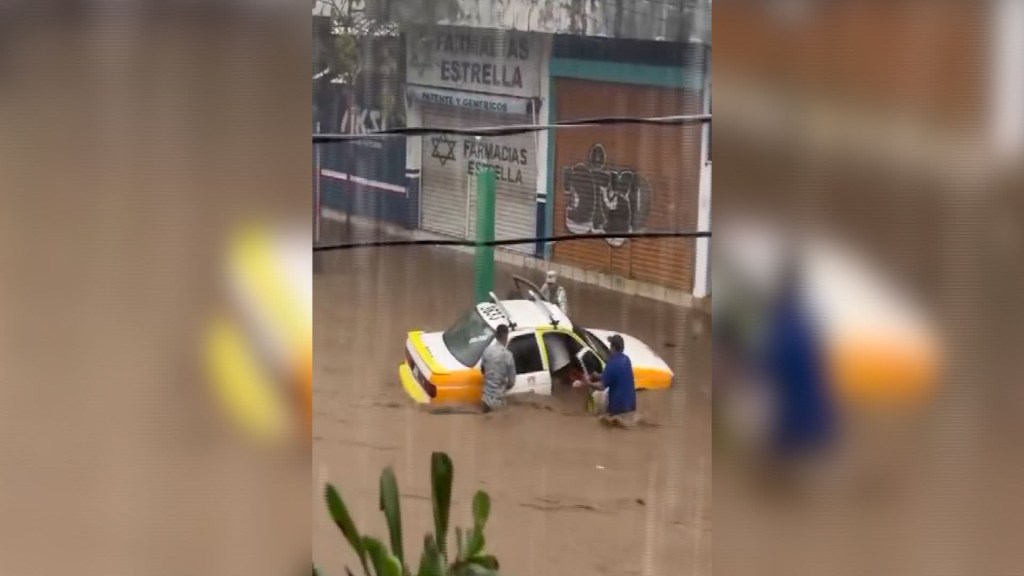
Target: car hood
point(640, 354)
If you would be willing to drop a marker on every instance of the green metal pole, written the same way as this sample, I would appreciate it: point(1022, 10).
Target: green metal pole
point(484, 273)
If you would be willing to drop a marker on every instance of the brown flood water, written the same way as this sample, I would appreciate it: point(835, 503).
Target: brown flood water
point(568, 495)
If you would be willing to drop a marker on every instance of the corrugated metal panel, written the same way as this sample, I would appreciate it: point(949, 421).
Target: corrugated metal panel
point(627, 178)
point(444, 181)
point(448, 175)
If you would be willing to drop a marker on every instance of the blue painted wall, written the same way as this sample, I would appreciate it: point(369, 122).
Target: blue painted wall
point(367, 181)
point(367, 177)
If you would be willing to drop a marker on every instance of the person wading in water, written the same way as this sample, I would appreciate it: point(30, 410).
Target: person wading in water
point(499, 370)
point(617, 382)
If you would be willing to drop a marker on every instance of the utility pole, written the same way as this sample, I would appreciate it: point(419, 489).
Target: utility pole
point(485, 213)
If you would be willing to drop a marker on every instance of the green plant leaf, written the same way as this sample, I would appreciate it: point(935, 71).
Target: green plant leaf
point(430, 561)
point(477, 570)
point(476, 543)
point(315, 573)
point(391, 506)
point(441, 473)
point(489, 562)
point(459, 543)
point(481, 509)
point(384, 563)
point(341, 517)
point(476, 567)
point(394, 567)
point(479, 566)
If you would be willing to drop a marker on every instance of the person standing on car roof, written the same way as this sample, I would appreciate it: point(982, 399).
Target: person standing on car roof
point(499, 370)
point(553, 292)
point(617, 382)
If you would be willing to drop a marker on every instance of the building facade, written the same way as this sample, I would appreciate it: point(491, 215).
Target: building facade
point(626, 178)
point(363, 177)
point(522, 66)
point(468, 78)
point(664, 20)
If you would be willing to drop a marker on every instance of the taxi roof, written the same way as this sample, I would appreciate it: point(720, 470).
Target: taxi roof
point(525, 314)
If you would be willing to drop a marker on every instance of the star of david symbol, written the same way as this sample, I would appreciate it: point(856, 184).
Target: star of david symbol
point(443, 148)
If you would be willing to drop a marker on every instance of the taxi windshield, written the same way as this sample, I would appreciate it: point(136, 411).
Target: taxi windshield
point(467, 338)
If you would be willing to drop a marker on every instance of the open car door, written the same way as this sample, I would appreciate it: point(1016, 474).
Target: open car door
point(531, 375)
point(590, 361)
point(524, 286)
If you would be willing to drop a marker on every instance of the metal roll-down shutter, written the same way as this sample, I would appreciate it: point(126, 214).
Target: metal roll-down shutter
point(449, 166)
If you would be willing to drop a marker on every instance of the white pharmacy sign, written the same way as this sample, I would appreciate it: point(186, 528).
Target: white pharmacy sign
point(470, 100)
point(490, 61)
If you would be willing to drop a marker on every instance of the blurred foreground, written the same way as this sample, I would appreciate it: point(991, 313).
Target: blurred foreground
point(133, 147)
point(880, 145)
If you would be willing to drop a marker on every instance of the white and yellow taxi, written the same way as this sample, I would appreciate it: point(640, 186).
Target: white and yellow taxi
point(882, 347)
point(444, 367)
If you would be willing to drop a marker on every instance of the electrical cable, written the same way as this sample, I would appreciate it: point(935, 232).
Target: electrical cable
point(514, 241)
point(517, 129)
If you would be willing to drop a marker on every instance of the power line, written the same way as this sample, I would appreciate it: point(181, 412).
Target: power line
point(514, 241)
point(518, 129)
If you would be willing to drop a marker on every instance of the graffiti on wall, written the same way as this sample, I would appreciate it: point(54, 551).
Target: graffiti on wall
point(605, 198)
point(357, 120)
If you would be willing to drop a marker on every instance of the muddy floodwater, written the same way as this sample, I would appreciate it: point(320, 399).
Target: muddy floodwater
point(568, 495)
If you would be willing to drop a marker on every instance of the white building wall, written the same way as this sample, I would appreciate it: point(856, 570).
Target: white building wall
point(1007, 90)
point(702, 264)
point(461, 77)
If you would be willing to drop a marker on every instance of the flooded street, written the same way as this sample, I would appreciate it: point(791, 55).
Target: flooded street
point(569, 496)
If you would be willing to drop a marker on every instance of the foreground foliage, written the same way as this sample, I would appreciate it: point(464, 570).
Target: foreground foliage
point(470, 558)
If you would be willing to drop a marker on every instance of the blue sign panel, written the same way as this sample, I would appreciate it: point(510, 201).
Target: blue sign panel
point(365, 177)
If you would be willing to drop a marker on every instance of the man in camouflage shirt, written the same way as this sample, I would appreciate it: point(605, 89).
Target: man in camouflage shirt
point(499, 370)
point(554, 292)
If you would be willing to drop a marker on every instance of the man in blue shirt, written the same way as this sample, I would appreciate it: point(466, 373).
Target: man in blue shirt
point(617, 382)
point(805, 411)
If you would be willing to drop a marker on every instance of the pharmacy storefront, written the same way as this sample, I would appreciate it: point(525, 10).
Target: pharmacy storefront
point(462, 78)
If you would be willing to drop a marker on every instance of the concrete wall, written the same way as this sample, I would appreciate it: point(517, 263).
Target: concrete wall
point(663, 20)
